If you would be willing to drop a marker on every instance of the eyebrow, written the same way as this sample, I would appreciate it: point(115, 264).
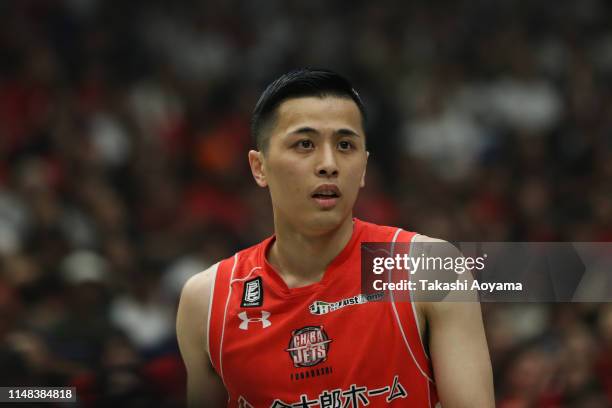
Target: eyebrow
point(341, 131)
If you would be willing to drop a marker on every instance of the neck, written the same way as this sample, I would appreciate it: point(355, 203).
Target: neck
point(301, 259)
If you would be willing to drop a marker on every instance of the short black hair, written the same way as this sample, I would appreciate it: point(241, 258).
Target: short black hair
point(302, 82)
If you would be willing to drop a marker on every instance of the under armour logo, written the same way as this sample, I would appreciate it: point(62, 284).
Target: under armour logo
point(243, 403)
point(244, 325)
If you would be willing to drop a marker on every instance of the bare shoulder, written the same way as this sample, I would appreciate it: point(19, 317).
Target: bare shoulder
point(427, 246)
point(197, 288)
point(433, 245)
point(194, 304)
point(426, 238)
point(204, 387)
point(422, 244)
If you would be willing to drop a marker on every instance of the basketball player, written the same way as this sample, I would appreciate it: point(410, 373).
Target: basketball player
point(284, 323)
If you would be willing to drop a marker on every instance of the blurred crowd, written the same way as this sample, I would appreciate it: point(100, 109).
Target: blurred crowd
point(124, 128)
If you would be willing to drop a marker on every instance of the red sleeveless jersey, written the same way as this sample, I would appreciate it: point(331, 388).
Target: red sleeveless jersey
point(323, 345)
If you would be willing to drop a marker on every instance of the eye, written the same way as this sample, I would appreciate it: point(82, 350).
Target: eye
point(345, 145)
point(304, 144)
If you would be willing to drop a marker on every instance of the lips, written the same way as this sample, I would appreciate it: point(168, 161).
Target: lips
point(326, 196)
point(326, 191)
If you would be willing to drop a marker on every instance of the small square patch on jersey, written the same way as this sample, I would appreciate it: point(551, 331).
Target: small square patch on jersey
point(252, 294)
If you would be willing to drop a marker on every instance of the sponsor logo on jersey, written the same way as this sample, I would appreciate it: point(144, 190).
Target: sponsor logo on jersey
point(252, 294)
point(308, 346)
point(351, 397)
point(320, 307)
point(246, 320)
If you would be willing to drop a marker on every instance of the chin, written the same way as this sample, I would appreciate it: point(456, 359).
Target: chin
point(326, 221)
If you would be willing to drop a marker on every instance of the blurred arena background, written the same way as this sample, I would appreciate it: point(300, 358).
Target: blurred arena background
point(124, 127)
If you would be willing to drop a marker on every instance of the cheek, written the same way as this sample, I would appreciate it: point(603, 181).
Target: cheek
point(285, 181)
point(356, 175)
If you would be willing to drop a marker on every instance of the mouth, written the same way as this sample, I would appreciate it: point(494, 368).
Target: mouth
point(326, 196)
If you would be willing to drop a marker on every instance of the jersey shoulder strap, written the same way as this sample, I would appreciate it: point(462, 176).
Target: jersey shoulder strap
point(229, 270)
point(406, 315)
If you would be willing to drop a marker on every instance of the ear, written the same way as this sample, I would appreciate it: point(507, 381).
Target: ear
point(362, 184)
point(257, 168)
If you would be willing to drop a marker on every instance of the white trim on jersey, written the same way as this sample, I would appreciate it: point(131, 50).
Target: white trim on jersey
point(246, 277)
point(229, 295)
point(399, 321)
point(414, 312)
point(213, 279)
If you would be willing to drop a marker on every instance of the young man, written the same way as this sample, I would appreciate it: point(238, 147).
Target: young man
point(263, 317)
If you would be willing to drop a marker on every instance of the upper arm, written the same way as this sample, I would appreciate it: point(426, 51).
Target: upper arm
point(459, 354)
point(204, 387)
point(458, 346)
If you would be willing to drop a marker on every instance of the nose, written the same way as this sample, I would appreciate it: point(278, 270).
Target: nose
point(327, 165)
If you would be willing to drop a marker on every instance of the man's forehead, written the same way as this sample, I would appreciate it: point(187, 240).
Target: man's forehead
point(309, 111)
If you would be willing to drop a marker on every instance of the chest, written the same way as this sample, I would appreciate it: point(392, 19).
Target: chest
point(331, 339)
